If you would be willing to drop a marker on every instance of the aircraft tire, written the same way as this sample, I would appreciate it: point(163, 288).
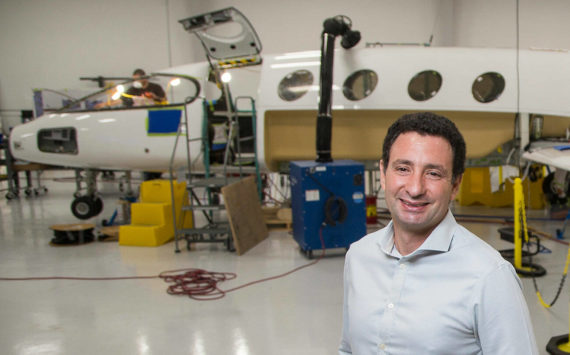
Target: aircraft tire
point(98, 204)
point(550, 190)
point(84, 207)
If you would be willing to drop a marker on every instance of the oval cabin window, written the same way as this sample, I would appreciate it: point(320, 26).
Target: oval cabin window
point(424, 85)
point(295, 85)
point(488, 87)
point(360, 84)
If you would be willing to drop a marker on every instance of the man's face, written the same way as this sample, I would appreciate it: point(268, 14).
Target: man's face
point(143, 82)
point(417, 182)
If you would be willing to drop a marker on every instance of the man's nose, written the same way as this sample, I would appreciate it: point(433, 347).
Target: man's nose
point(415, 186)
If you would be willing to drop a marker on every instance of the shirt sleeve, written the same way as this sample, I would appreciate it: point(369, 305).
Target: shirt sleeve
point(502, 320)
point(158, 91)
point(344, 348)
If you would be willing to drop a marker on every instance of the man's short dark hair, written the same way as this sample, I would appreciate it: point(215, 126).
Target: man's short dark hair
point(139, 72)
point(428, 123)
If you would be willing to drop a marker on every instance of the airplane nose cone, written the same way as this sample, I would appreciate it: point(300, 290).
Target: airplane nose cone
point(15, 140)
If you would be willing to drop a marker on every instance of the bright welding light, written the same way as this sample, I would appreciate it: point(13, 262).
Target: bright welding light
point(175, 82)
point(226, 77)
point(117, 94)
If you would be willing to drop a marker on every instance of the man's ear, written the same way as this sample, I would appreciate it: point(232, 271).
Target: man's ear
point(455, 186)
point(382, 174)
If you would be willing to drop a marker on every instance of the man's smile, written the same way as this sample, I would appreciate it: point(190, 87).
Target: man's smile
point(412, 204)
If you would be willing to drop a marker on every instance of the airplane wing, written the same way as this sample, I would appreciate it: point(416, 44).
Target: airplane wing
point(557, 156)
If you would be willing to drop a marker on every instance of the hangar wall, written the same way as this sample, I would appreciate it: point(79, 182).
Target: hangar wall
point(491, 23)
point(50, 44)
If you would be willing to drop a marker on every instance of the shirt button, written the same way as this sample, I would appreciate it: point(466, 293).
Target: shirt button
point(390, 305)
point(382, 346)
point(402, 266)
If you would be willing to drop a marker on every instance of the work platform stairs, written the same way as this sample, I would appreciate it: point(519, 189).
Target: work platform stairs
point(151, 217)
point(215, 227)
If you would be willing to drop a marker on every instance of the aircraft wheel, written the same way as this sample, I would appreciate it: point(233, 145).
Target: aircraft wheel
point(549, 190)
point(84, 207)
point(98, 204)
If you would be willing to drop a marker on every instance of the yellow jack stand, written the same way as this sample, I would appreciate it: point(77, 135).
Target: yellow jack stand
point(522, 268)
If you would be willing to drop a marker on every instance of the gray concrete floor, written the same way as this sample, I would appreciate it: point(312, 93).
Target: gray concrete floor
point(298, 314)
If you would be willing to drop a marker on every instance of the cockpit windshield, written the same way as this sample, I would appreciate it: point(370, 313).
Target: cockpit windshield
point(148, 91)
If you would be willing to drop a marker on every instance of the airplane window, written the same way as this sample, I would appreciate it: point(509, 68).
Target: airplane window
point(295, 85)
point(424, 85)
point(58, 140)
point(360, 84)
point(488, 87)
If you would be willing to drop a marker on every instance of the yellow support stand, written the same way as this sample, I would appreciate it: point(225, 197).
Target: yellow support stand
point(523, 269)
point(151, 218)
point(519, 211)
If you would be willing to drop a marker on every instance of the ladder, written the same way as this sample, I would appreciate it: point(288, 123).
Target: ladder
point(243, 50)
point(214, 229)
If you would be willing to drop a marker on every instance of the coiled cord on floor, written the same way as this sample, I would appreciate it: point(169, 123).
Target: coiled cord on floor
point(198, 284)
point(202, 285)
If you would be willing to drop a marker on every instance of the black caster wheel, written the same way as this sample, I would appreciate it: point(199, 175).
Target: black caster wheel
point(28, 192)
point(10, 196)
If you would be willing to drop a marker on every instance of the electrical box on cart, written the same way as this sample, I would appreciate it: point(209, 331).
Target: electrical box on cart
point(327, 199)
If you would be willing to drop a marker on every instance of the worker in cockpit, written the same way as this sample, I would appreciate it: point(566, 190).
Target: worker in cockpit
point(143, 92)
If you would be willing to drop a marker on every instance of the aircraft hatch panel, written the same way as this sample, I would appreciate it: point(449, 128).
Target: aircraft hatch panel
point(225, 34)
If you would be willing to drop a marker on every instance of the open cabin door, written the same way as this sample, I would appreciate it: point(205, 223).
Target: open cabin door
point(226, 35)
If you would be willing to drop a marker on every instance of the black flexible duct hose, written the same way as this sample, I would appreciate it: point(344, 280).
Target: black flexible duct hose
point(332, 27)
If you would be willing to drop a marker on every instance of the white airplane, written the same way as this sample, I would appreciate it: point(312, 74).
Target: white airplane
point(491, 94)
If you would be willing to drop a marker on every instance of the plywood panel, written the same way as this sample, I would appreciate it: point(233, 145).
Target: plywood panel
point(245, 214)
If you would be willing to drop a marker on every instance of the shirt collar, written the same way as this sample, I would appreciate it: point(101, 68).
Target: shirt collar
point(439, 239)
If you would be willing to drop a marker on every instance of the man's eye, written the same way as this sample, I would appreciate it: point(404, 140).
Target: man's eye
point(434, 174)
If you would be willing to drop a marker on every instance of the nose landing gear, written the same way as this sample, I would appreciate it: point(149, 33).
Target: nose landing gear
point(87, 206)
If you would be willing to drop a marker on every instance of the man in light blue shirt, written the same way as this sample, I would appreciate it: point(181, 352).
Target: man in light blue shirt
point(424, 284)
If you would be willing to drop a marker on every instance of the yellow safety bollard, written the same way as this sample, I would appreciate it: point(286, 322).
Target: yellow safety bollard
point(519, 214)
